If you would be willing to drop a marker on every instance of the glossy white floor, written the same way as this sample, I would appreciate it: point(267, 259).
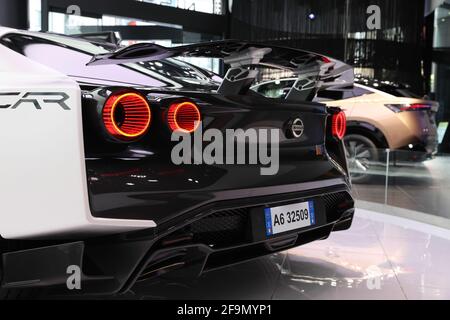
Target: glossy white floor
point(380, 257)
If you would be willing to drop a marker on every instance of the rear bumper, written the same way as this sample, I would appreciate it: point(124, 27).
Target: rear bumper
point(199, 241)
point(420, 137)
point(418, 152)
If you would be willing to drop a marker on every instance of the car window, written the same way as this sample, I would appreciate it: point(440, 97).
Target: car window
point(341, 94)
point(406, 94)
point(358, 91)
point(329, 94)
point(275, 89)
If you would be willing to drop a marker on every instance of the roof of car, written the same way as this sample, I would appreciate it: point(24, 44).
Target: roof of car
point(372, 90)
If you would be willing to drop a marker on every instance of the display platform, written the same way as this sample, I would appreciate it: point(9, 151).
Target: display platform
point(380, 257)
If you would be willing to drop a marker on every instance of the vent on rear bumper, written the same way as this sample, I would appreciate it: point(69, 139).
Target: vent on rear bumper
point(226, 227)
point(232, 227)
point(336, 201)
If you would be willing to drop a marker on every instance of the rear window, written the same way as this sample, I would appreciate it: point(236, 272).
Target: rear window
point(341, 94)
point(398, 91)
point(334, 94)
point(405, 93)
point(275, 89)
point(358, 91)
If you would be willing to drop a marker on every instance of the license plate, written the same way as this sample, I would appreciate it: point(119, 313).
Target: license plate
point(289, 217)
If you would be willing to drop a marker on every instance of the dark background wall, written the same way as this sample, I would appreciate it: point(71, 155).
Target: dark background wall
point(14, 13)
point(396, 52)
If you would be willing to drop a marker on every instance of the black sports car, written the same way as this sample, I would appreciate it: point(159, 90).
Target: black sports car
point(106, 187)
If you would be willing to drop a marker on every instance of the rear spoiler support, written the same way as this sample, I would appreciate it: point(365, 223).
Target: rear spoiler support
point(239, 77)
point(238, 80)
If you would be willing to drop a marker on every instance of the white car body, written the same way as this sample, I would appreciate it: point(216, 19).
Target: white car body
point(43, 182)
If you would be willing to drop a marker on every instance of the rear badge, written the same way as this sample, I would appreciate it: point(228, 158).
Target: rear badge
point(297, 128)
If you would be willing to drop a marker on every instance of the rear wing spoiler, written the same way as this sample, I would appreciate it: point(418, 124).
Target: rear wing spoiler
point(314, 71)
point(108, 37)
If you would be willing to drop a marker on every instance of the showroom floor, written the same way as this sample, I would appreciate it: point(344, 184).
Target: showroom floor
point(380, 257)
point(421, 187)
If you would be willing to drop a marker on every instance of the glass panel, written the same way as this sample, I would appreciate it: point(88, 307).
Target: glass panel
point(368, 170)
point(402, 179)
point(419, 185)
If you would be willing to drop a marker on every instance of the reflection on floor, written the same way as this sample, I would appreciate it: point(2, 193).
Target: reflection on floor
point(420, 187)
point(380, 257)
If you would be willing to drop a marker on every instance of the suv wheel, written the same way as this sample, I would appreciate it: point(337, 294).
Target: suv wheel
point(362, 155)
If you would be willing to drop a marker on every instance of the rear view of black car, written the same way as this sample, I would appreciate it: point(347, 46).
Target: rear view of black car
point(216, 173)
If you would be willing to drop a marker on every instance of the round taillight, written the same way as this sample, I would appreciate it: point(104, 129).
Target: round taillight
point(184, 117)
point(339, 125)
point(126, 116)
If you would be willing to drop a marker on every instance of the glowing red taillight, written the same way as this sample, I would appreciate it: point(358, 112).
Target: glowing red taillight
point(416, 106)
point(339, 125)
point(409, 107)
point(184, 116)
point(126, 116)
